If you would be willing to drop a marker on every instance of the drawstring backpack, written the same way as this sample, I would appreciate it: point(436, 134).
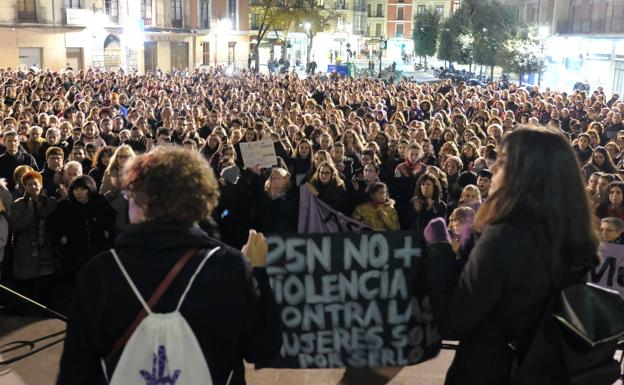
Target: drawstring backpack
point(163, 350)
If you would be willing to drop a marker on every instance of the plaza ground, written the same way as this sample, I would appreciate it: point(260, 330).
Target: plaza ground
point(42, 368)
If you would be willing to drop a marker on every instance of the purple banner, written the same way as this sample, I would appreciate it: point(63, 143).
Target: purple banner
point(316, 216)
point(610, 273)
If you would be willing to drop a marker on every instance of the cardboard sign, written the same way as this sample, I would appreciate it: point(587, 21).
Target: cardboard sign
point(610, 273)
point(351, 299)
point(258, 153)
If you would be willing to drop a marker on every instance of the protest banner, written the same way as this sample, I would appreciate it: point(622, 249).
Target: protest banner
point(258, 153)
point(316, 216)
point(610, 273)
point(350, 299)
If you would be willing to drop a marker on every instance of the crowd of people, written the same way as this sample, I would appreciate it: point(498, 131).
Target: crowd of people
point(394, 156)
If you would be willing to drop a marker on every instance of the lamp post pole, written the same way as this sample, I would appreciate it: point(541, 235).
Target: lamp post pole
point(381, 47)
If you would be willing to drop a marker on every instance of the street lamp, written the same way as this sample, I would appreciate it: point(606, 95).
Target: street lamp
point(382, 46)
point(542, 35)
point(223, 27)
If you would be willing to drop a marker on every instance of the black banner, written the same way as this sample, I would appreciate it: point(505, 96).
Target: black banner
point(350, 299)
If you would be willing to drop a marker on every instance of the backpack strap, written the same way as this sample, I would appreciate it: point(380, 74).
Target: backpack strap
point(201, 265)
point(130, 282)
point(164, 285)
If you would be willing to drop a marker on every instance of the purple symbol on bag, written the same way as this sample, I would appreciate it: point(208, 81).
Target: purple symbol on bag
point(160, 371)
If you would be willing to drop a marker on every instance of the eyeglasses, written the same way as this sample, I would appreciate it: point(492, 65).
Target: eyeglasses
point(325, 172)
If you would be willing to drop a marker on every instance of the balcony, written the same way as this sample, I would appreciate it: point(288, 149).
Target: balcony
point(30, 14)
point(176, 23)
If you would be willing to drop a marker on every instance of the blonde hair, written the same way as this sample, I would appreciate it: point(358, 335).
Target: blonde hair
point(124, 149)
point(472, 188)
point(284, 174)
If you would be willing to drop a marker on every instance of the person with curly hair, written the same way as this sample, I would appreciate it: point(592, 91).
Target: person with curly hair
point(230, 306)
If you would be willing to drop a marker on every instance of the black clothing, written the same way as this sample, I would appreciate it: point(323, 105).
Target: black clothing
point(276, 216)
point(418, 221)
point(583, 155)
point(497, 296)
point(231, 311)
point(8, 164)
point(49, 185)
point(233, 213)
point(332, 194)
point(80, 231)
point(97, 174)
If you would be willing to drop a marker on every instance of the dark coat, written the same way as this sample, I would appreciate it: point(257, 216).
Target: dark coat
point(80, 231)
point(234, 212)
point(418, 221)
point(276, 216)
point(8, 164)
point(32, 248)
point(496, 297)
point(230, 309)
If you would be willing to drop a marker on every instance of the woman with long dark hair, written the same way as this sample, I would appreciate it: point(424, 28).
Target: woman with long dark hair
point(301, 162)
point(599, 161)
point(535, 228)
point(613, 205)
point(327, 185)
point(426, 204)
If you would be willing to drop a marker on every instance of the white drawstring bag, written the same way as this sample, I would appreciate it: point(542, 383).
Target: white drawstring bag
point(163, 350)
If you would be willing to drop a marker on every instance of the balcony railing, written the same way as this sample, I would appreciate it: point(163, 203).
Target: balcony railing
point(176, 23)
point(34, 15)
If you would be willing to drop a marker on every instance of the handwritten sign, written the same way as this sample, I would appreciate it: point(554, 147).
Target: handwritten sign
point(350, 299)
point(258, 153)
point(610, 273)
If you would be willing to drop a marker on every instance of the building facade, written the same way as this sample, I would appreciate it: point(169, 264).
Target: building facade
point(376, 14)
point(135, 35)
point(443, 7)
point(583, 40)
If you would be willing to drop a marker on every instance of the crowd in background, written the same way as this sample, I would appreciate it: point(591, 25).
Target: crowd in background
point(391, 155)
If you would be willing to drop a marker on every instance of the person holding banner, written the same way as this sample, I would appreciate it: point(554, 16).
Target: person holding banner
point(327, 185)
point(531, 236)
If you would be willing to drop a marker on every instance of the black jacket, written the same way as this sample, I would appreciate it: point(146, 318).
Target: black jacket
point(276, 216)
point(496, 297)
point(80, 231)
point(8, 164)
point(231, 311)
